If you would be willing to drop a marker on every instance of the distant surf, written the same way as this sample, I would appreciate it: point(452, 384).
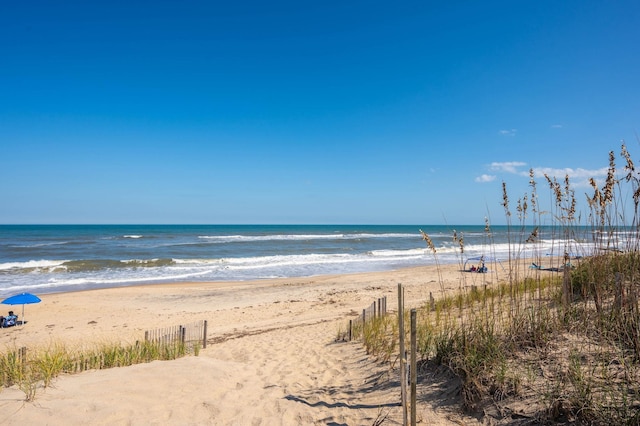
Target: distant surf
point(54, 258)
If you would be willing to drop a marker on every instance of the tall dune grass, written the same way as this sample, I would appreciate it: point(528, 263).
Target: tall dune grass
point(566, 342)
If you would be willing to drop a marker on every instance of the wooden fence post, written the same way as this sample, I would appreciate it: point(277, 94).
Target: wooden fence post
point(414, 366)
point(23, 358)
point(566, 285)
point(204, 335)
point(350, 329)
point(403, 367)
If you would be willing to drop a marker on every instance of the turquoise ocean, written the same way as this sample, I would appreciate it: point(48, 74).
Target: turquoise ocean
point(61, 258)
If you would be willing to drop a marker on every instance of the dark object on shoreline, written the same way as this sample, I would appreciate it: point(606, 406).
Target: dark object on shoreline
point(552, 269)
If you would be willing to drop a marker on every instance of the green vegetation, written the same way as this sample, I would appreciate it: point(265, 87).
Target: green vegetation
point(551, 347)
point(31, 369)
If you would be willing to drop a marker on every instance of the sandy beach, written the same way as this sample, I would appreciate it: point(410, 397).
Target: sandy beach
point(272, 357)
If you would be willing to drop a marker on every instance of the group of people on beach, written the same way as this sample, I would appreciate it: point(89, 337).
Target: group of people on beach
point(8, 321)
point(481, 269)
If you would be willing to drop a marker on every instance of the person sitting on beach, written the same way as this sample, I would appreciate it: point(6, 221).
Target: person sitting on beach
point(473, 268)
point(10, 320)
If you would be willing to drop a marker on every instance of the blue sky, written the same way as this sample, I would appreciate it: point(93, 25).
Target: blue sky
point(306, 112)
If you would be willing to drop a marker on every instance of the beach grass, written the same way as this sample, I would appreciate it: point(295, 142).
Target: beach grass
point(559, 346)
point(32, 369)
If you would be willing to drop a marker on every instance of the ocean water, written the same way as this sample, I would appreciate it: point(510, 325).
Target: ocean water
point(60, 258)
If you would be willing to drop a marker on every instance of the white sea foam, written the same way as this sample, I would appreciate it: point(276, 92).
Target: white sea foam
point(398, 253)
point(32, 264)
point(122, 279)
point(54, 243)
point(198, 261)
point(301, 237)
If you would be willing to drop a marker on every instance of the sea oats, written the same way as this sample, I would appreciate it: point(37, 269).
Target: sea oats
point(533, 236)
point(532, 183)
point(629, 167)
point(505, 199)
point(430, 244)
point(611, 179)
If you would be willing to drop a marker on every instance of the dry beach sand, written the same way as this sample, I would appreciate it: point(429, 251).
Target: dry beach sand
point(272, 358)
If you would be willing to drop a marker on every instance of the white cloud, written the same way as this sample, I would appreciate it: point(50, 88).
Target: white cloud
point(485, 178)
point(507, 167)
point(511, 132)
point(578, 173)
point(577, 177)
point(556, 126)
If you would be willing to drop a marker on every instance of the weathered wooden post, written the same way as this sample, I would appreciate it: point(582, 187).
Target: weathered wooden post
point(204, 335)
point(350, 329)
point(403, 367)
point(22, 355)
point(566, 284)
point(414, 366)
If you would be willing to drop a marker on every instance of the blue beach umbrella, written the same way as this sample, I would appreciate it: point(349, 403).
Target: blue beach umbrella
point(21, 299)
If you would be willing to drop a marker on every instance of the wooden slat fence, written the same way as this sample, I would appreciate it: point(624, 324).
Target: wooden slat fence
point(191, 334)
point(377, 309)
point(173, 341)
